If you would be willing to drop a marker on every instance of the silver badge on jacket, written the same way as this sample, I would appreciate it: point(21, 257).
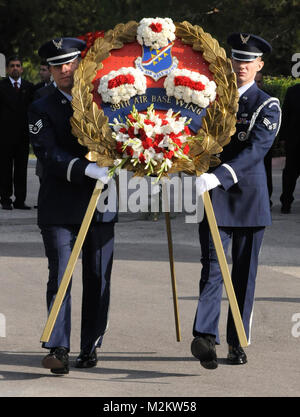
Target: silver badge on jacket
point(242, 136)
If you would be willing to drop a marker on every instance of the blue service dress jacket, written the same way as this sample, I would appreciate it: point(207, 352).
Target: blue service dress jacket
point(64, 195)
point(242, 210)
point(65, 190)
point(242, 200)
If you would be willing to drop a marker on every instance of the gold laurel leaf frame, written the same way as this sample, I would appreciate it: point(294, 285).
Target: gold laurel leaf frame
point(90, 125)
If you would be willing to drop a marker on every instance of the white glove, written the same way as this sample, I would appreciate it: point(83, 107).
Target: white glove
point(206, 182)
point(98, 173)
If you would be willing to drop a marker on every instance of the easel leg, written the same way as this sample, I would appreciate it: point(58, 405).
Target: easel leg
point(224, 270)
point(171, 260)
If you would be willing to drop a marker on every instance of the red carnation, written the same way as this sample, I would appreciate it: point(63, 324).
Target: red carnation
point(123, 130)
point(186, 149)
point(119, 147)
point(131, 118)
point(147, 143)
point(99, 34)
point(90, 38)
point(188, 82)
point(131, 132)
point(176, 140)
point(158, 137)
point(174, 136)
point(156, 27)
point(142, 158)
point(187, 130)
point(169, 154)
point(120, 80)
point(149, 122)
point(142, 133)
point(157, 148)
point(129, 150)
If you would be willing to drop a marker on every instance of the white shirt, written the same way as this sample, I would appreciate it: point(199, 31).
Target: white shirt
point(245, 87)
point(66, 95)
point(13, 81)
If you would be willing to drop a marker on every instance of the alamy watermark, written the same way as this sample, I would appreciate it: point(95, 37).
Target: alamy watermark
point(145, 194)
point(2, 325)
point(2, 66)
point(296, 326)
point(296, 66)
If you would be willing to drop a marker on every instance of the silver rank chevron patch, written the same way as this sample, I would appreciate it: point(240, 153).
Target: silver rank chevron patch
point(269, 125)
point(34, 129)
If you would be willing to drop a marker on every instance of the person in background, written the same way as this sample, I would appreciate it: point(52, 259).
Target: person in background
point(47, 85)
point(67, 185)
point(15, 96)
point(240, 199)
point(45, 75)
point(289, 134)
point(259, 79)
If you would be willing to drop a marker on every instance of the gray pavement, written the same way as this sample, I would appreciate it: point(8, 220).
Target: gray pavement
point(140, 356)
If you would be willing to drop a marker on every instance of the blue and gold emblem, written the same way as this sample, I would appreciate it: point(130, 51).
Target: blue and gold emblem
point(157, 63)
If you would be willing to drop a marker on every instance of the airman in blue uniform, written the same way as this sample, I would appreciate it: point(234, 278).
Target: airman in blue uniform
point(65, 191)
point(240, 200)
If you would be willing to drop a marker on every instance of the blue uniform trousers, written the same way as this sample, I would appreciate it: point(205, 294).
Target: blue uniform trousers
point(246, 243)
point(97, 259)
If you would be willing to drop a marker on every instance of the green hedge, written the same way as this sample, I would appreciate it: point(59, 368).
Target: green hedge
point(277, 86)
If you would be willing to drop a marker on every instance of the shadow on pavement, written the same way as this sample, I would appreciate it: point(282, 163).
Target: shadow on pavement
point(33, 360)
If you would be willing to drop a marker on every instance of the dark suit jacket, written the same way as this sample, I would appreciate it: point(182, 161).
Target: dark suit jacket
point(13, 111)
point(289, 131)
point(39, 85)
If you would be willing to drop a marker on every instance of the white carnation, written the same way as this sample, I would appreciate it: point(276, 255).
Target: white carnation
point(147, 36)
point(125, 91)
point(189, 95)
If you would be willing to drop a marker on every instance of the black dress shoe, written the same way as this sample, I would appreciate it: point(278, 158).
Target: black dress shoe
point(236, 355)
point(21, 206)
point(204, 349)
point(6, 206)
point(57, 361)
point(86, 360)
point(285, 209)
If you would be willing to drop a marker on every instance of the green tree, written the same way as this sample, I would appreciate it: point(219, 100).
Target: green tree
point(26, 24)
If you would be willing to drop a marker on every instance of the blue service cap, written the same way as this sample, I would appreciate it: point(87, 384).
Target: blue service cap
point(61, 50)
point(247, 47)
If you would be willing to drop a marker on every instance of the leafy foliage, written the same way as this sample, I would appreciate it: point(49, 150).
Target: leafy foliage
point(277, 86)
point(26, 24)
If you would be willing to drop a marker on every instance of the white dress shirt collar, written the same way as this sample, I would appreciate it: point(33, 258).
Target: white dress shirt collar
point(66, 95)
point(244, 88)
point(13, 81)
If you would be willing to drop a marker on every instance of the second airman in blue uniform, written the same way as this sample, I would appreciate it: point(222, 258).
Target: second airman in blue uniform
point(240, 200)
point(67, 184)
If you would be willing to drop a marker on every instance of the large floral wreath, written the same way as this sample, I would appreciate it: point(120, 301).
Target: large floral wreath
point(143, 143)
